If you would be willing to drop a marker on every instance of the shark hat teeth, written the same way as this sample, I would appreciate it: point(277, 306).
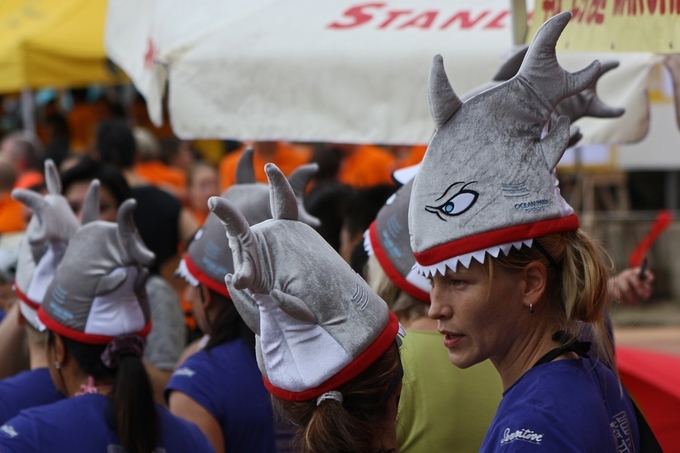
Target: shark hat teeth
point(43, 246)
point(98, 291)
point(486, 182)
point(314, 333)
point(466, 259)
point(387, 238)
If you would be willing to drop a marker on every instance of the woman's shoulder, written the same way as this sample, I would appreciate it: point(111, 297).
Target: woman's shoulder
point(564, 403)
point(41, 428)
point(179, 435)
point(229, 366)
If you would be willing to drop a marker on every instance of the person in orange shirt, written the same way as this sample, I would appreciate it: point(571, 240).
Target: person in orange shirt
point(409, 155)
point(82, 121)
point(202, 183)
point(283, 155)
point(150, 167)
point(11, 211)
point(365, 165)
point(25, 152)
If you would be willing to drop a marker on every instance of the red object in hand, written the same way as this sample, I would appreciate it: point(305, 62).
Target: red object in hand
point(663, 220)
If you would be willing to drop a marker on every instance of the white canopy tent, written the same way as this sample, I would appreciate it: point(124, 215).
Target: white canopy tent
point(339, 71)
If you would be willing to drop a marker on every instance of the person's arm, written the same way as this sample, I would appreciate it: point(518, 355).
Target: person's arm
point(167, 338)
point(190, 350)
point(627, 288)
point(187, 225)
point(159, 379)
point(13, 347)
point(185, 407)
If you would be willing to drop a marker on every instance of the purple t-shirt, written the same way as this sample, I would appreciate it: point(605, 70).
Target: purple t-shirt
point(79, 425)
point(25, 390)
point(565, 405)
point(228, 384)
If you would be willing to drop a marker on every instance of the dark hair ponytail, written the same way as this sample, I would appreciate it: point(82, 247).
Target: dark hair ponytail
point(132, 406)
point(131, 410)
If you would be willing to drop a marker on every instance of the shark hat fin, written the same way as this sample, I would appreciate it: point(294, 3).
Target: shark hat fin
point(245, 171)
point(443, 100)
point(90, 211)
point(283, 202)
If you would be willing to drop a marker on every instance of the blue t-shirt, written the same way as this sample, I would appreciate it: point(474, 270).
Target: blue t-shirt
point(226, 381)
point(79, 425)
point(565, 405)
point(25, 390)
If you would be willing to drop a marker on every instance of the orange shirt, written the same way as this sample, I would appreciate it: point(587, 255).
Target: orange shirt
point(158, 174)
point(82, 124)
point(287, 158)
point(366, 167)
point(414, 157)
point(11, 215)
point(198, 216)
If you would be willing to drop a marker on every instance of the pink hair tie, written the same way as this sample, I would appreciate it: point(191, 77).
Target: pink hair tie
point(120, 346)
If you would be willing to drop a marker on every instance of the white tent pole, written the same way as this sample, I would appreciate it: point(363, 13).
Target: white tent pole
point(520, 26)
point(28, 110)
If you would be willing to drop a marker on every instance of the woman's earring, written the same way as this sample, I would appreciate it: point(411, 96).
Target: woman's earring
point(531, 308)
point(57, 365)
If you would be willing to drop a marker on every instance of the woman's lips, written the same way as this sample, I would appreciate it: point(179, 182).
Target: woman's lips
point(451, 340)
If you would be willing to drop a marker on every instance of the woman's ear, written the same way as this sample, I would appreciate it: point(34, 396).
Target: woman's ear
point(57, 350)
point(206, 298)
point(534, 283)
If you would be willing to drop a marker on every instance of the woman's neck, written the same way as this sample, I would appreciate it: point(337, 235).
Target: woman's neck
point(524, 354)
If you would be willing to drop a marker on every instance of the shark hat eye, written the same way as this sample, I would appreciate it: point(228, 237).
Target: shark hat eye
point(456, 205)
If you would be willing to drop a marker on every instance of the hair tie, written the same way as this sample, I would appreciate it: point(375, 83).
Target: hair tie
point(120, 346)
point(332, 395)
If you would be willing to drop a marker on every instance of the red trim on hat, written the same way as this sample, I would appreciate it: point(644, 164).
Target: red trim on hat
point(392, 271)
point(82, 337)
point(354, 369)
point(218, 287)
point(24, 298)
point(482, 241)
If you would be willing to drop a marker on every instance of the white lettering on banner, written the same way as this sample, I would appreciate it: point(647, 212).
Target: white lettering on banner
point(525, 435)
point(380, 16)
point(9, 430)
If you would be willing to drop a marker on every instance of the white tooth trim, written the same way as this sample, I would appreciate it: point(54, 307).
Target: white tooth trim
point(368, 245)
point(466, 259)
point(183, 271)
point(418, 281)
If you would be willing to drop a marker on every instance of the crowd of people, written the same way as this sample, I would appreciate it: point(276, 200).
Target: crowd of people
point(284, 297)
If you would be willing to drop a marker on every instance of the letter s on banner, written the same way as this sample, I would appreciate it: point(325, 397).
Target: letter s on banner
point(358, 16)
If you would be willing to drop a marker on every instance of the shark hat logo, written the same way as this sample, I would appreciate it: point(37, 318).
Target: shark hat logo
point(487, 180)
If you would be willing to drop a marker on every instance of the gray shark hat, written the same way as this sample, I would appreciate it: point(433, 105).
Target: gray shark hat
point(318, 323)
point(98, 291)
point(208, 257)
point(487, 180)
point(387, 238)
point(47, 235)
